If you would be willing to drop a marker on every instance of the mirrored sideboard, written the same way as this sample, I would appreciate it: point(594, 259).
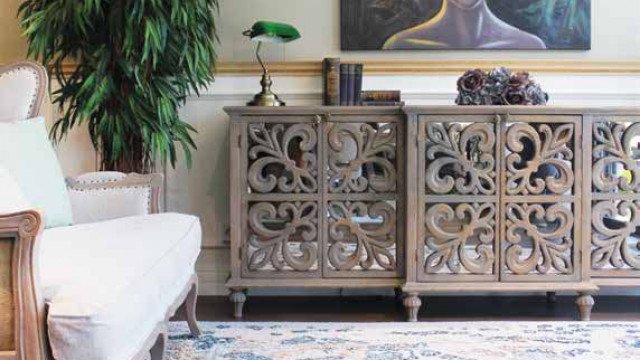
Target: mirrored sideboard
point(434, 200)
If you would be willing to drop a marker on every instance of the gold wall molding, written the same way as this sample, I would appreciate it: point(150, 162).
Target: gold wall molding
point(434, 67)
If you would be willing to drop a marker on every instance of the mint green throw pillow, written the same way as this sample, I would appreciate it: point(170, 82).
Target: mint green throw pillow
point(27, 154)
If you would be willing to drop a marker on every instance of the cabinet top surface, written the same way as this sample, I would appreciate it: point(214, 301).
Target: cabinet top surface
point(425, 110)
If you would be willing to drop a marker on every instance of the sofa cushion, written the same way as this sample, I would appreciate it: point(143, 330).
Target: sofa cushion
point(11, 198)
point(28, 155)
point(109, 195)
point(109, 284)
point(109, 203)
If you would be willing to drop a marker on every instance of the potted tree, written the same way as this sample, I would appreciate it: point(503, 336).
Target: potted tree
point(124, 67)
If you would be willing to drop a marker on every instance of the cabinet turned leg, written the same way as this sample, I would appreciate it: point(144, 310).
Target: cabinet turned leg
point(238, 298)
point(585, 303)
point(412, 303)
point(551, 297)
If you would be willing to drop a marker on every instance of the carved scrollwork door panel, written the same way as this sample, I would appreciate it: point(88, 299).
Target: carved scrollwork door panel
point(458, 172)
point(282, 157)
point(283, 198)
point(363, 196)
point(460, 242)
point(539, 242)
point(282, 239)
point(362, 157)
point(540, 156)
point(615, 196)
point(460, 157)
point(540, 203)
point(616, 156)
point(362, 239)
point(615, 236)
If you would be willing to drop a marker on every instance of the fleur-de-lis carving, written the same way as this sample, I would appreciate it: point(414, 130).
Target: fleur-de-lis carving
point(360, 157)
point(613, 145)
point(283, 157)
point(276, 229)
point(362, 235)
point(550, 231)
point(549, 149)
point(611, 238)
point(461, 158)
point(447, 247)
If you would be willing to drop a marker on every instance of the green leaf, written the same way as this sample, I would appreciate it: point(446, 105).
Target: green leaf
point(137, 61)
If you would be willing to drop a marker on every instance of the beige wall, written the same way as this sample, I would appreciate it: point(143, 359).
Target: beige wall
point(615, 27)
point(616, 33)
point(12, 46)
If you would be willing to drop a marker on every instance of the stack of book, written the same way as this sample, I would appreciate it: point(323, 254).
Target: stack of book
point(342, 82)
point(343, 87)
point(381, 98)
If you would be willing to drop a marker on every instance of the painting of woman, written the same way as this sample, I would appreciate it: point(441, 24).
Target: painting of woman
point(464, 24)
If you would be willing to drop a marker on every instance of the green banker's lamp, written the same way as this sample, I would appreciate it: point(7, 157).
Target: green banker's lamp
point(272, 32)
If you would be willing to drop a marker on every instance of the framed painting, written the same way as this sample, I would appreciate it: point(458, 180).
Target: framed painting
point(465, 24)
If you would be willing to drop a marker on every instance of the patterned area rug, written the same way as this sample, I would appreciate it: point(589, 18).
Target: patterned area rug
point(391, 341)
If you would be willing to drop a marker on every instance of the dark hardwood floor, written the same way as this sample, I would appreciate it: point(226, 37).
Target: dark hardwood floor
point(374, 309)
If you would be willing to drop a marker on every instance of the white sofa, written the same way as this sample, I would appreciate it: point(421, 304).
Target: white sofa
point(105, 287)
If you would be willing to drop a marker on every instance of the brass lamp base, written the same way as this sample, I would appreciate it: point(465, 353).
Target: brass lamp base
point(266, 97)
point(266, 100)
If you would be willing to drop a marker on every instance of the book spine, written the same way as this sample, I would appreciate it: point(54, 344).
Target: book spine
point(358, 84)
point(382, 103)
point(344, 80)
point(351, 85)
point(331, 75)
point(381, 95)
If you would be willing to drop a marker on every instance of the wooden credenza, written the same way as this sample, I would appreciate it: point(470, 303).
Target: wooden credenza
point(435, 199)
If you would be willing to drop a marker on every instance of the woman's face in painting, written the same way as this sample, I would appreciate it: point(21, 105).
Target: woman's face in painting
point(466, 4)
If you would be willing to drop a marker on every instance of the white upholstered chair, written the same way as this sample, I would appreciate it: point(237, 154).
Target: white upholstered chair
point(105, 287)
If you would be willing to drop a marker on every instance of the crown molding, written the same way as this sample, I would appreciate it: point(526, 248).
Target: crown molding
point(430, 67)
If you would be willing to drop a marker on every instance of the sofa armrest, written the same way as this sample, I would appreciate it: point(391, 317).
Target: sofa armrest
point(103, 196)
point(22, 308)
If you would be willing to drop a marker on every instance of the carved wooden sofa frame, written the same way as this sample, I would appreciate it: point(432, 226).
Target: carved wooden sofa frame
point(23, 311)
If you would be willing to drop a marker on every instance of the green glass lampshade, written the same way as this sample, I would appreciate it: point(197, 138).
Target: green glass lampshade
point(272, 32)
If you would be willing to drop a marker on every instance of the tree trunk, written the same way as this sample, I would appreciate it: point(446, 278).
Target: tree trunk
point(135, 158)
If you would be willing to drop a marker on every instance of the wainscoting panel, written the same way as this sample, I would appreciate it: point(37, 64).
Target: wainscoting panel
point(213, 269)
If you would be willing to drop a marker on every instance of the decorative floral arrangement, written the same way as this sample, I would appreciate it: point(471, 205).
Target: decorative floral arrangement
point(499, 86)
